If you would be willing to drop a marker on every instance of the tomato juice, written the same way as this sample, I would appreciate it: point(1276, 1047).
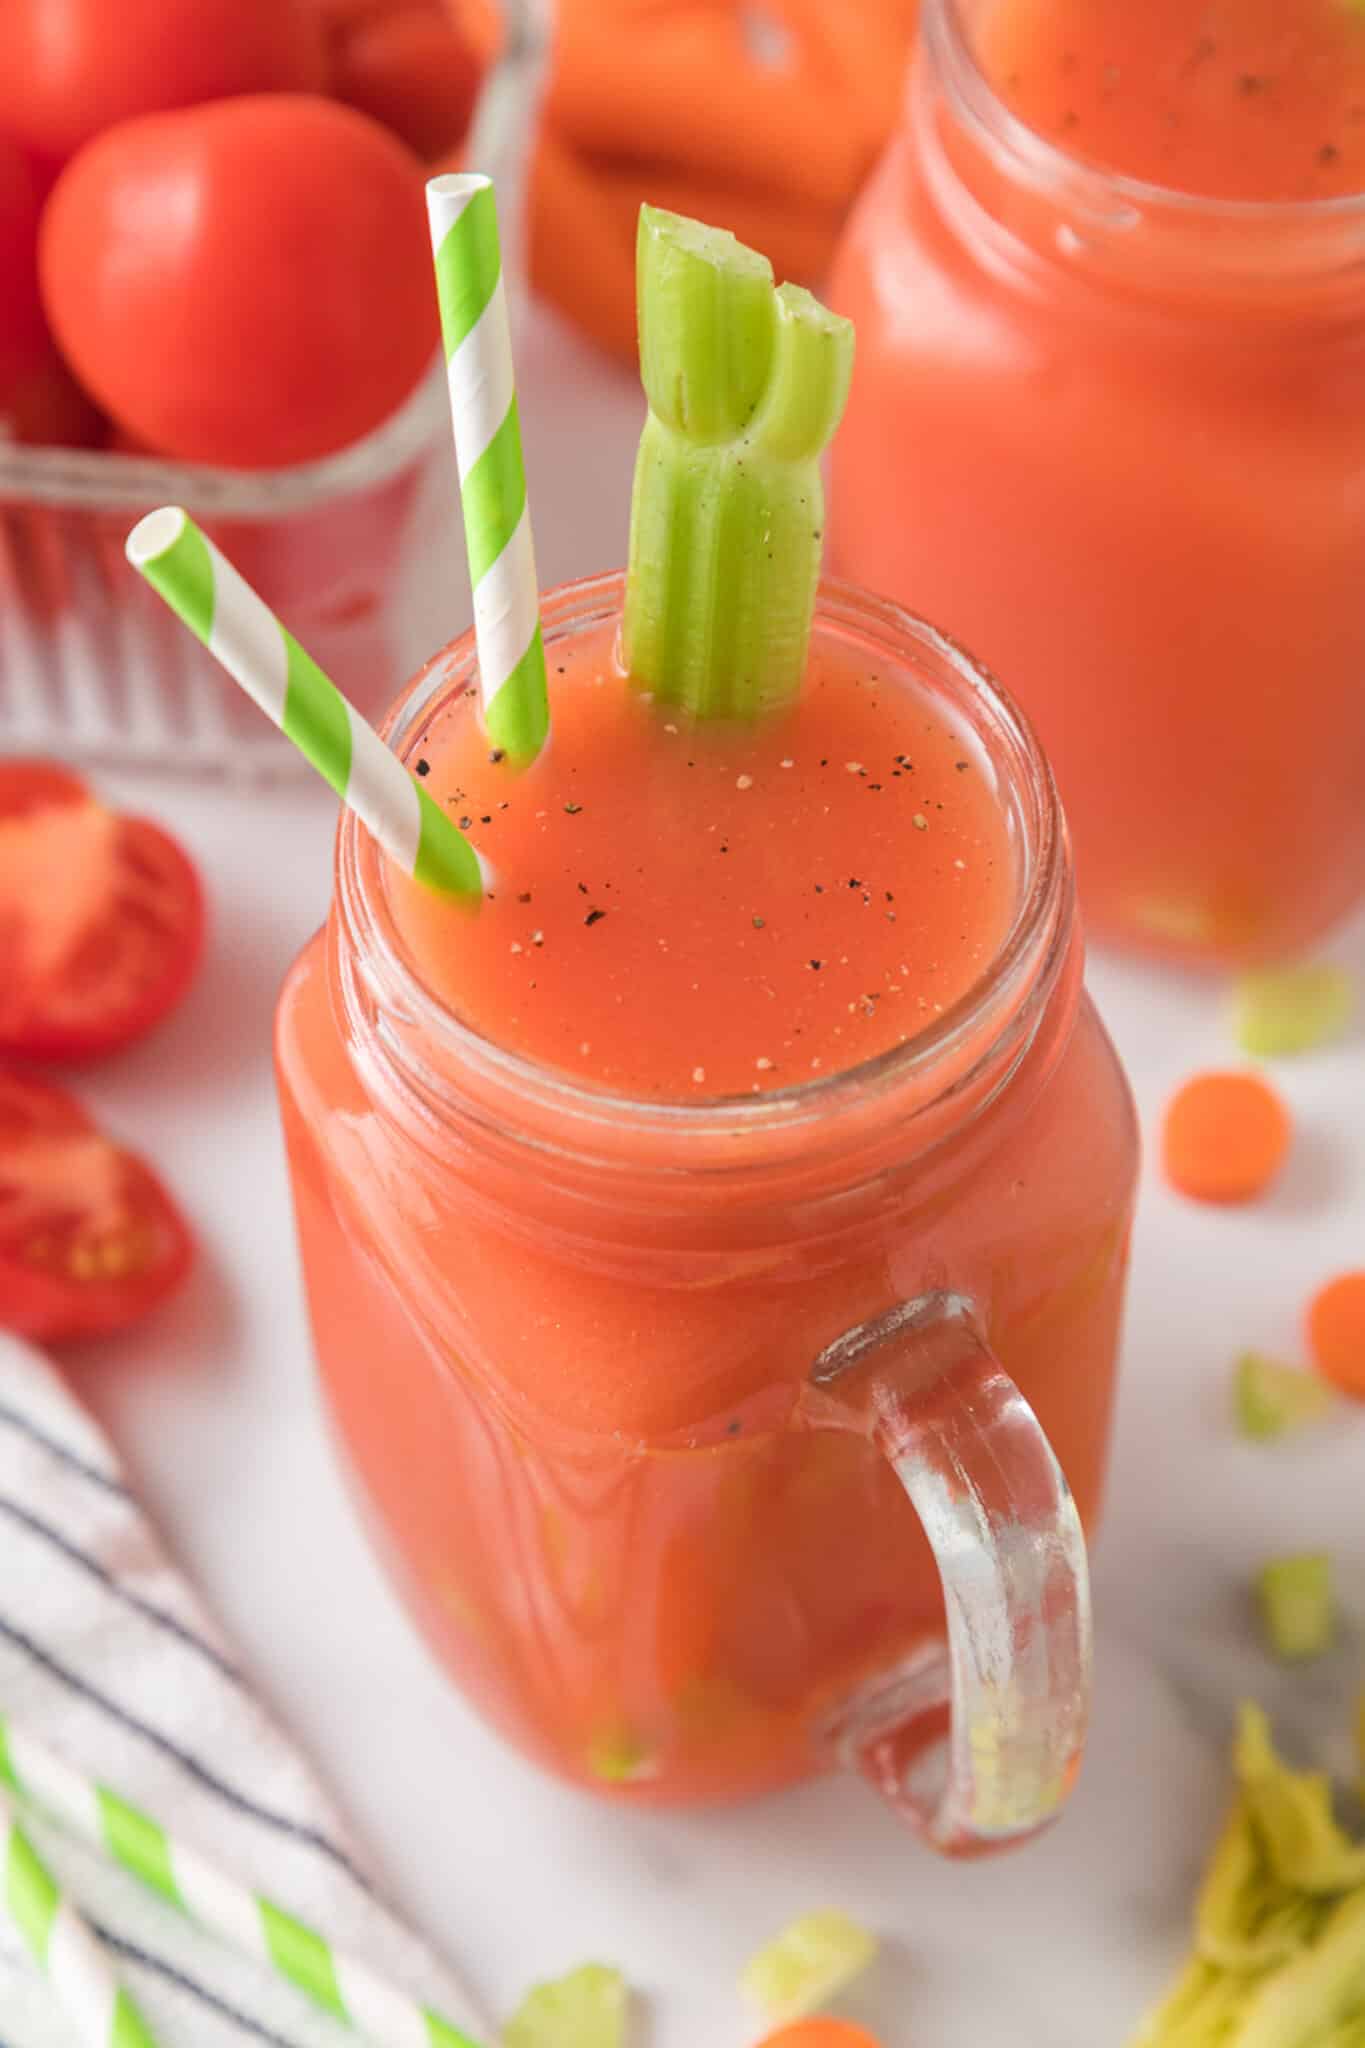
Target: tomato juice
point(1108, 422)
point(574, 1250)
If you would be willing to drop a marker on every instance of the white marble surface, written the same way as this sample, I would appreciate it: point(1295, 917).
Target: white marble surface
point(214, 1410)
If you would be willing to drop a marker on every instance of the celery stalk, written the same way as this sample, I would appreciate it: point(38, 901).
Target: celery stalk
point(745, 386)
point(1246, 1917)
point(1321, 1991)
point(1291, 1812)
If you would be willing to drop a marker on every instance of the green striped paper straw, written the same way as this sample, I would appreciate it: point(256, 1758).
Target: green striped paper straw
point(63, 1947)
point(241, 1918)
point(204, 590)
point(483, 403)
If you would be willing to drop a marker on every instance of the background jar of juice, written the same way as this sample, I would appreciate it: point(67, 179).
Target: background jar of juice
point(1113, 432)
point(568, 1339)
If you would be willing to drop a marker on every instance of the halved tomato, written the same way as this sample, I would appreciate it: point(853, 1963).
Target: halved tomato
point(89, 1238)
point(101, 918)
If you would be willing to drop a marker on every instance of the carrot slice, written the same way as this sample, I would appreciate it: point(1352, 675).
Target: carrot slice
point(1225, 1137)
point(1336, 1332)
point(821, 2032)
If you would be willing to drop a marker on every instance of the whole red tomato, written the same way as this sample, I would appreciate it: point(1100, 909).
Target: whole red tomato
point(46, 406)
point(410, 68)
point(23, 331)
point(247, 283)
point(69, 68)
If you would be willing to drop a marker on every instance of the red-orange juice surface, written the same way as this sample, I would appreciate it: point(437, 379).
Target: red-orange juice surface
point(796, 895)
point(575, 1252)
point(1108, 419)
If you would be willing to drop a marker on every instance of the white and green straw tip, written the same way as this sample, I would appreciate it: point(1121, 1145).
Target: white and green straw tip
point(245, 1920)
point(62, 1946)
point(462, 212)
point(204, 590)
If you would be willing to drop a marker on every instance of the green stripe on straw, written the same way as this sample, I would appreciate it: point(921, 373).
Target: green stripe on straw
point(494, 496)
point(316, 717)
point(303, 1957)
point(130, 2029)
point(63, 1947)
point(468, 267)
point(138, 1844)
point(483, 406)
point(31, 1895)
point(299, 1954)
point(201, 586)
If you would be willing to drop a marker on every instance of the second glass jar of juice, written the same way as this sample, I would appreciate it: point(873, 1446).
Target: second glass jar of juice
point(634, 1386)
point(1108, 420)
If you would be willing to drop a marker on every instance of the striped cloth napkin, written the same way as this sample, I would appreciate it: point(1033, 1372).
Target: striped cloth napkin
point(108, 1658)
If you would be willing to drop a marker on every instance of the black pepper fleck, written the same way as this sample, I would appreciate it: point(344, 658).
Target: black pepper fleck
point(594, 917)
point(424, 767)
point(572, 810)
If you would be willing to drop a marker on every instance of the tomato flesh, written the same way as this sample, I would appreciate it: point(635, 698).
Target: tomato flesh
point(89, 1239)
point(101, 918)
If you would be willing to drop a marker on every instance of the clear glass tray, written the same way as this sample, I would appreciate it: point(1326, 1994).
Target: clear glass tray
point(360, 554)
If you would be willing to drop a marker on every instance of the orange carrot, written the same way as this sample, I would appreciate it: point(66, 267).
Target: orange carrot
point(821, 2032)
point(684, 106)
point(480, 23)
point(683, 85)
point(583, 221)
point(582, 255)
point(1225, 1137)
point(1336, 1332)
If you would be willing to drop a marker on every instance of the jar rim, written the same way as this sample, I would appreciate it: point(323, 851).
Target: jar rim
point(1047, 165)
point(1026, 960)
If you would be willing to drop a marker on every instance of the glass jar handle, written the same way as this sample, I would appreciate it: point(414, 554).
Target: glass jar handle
point(1012, 1671)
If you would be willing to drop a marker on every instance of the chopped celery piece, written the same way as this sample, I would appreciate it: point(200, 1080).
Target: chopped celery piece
point(1270, 1399)
point(1291, 1009)
point(1297, 1606)
point(1320, 1992)
point(1200, 2011)
point(1279, 1960)
point(1292, 1815)
point(1246, 1919)
point(620, 1757)
point(745, 386)
point(586, 2009)
point(806, 1965)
